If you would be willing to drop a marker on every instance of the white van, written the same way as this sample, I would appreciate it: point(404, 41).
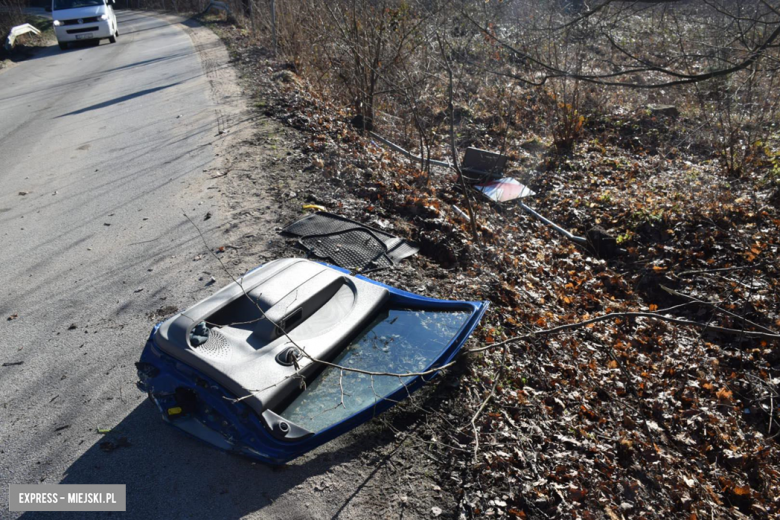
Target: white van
point(79, 20)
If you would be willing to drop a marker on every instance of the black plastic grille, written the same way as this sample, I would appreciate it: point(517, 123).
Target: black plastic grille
point(91, 19)
point(347, 243)
point(84, 30)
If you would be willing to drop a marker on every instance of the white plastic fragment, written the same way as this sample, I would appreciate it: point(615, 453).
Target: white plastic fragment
point(18, 31)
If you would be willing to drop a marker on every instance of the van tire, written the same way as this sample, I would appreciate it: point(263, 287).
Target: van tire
point(112, 39)
point(63, 46)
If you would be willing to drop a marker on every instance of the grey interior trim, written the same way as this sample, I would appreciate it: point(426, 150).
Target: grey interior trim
point(322, 308)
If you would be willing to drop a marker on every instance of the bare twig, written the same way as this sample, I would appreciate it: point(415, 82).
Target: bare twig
point(722, 269)
point(614, 315)
point(496, 378)
point(341, 387)
point(453, 148)
point(715, 307)
point(645, 66)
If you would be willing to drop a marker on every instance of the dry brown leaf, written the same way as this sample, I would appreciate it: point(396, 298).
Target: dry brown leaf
point(713, 495)
point(577, 494)
point(724, 394)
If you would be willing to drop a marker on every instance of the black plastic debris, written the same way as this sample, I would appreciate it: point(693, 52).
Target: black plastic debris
point(349, 244)
point(482, 166)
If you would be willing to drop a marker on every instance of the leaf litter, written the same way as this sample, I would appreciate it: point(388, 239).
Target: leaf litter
point(621, 418)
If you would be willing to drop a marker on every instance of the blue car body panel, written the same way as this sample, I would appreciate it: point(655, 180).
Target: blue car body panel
point(218, 418)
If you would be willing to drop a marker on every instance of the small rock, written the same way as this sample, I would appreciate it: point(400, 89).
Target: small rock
point(663, 110)
point(138, 290)
point(436, 511)
point(109, 446)
point(23, 193)
point(534, 146)
point(73, 326)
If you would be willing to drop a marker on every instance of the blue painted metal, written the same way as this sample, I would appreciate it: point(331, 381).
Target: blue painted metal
point(215, 416)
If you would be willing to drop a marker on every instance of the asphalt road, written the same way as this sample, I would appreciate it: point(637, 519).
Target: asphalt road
point(102, 151)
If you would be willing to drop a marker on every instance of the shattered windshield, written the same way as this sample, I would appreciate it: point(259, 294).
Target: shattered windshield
point(73, 4)
point(397, 341)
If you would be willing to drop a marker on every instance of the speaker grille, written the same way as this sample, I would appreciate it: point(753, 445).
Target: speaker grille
point(217, 346)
